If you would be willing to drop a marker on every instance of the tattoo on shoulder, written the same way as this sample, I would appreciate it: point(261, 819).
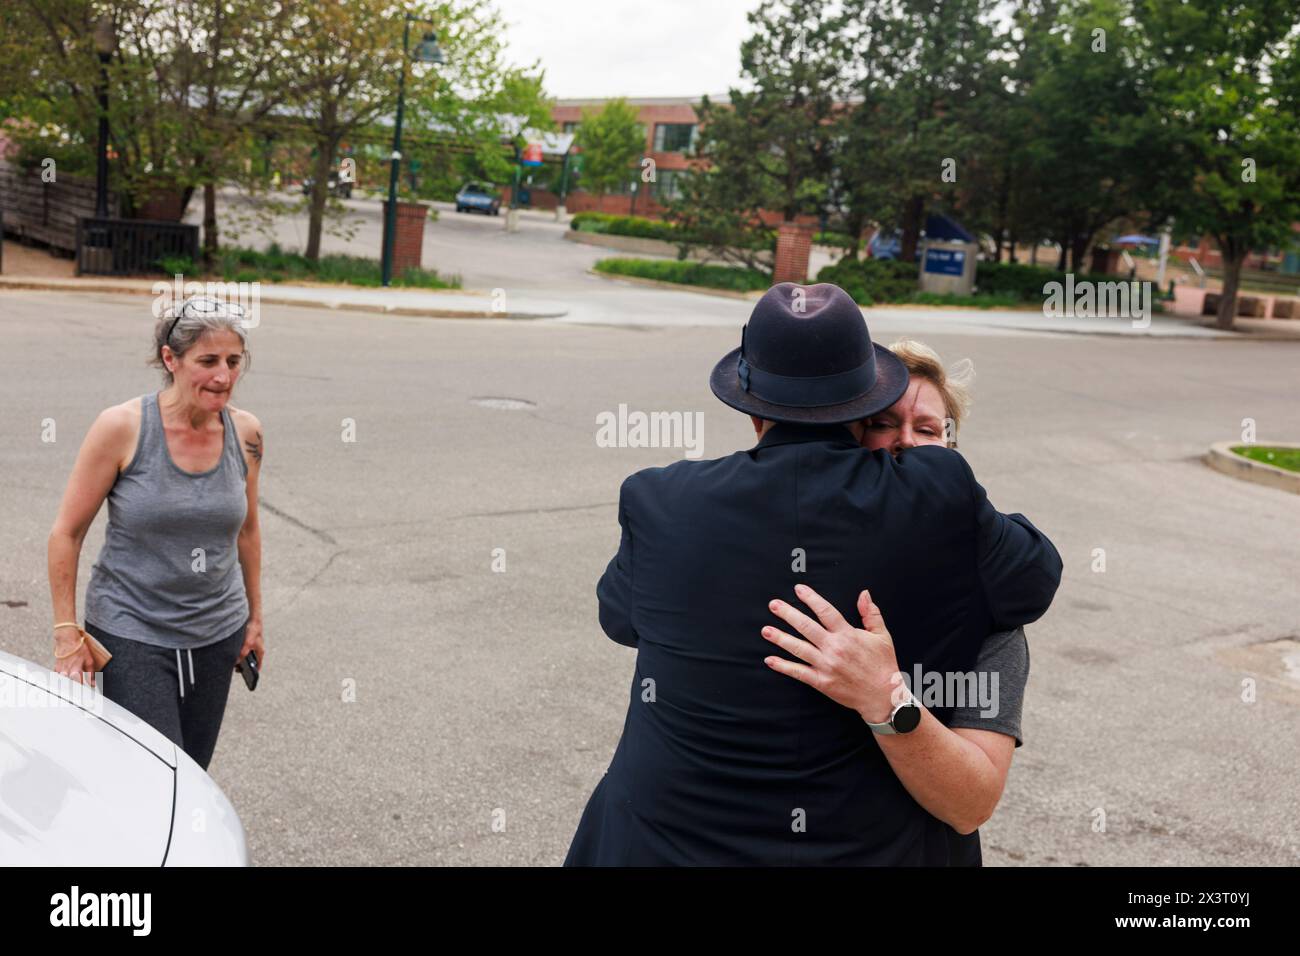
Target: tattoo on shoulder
point(254, 447)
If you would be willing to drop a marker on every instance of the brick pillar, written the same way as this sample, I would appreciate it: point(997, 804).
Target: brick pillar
point(793, 244)
point(408, 242)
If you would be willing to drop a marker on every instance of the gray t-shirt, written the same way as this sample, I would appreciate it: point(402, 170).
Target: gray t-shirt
point(1006, 654)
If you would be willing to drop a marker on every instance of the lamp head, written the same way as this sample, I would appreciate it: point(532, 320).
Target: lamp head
point(428, 51)
point(105, 35)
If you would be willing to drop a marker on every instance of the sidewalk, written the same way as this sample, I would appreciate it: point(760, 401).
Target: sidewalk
point(963, 320)
point(615, 300)
point(1188, 300)
point(29, 262)
point(1033, 320)
point(433, 303)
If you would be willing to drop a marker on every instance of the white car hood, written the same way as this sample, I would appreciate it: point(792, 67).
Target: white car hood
point(82, 782)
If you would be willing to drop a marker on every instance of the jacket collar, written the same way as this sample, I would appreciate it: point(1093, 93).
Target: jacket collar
point(788, 433)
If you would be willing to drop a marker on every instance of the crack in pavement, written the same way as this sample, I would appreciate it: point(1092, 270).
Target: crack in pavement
point(312, 580)
point(323, 535)
point(534, 511)
point(475, 514)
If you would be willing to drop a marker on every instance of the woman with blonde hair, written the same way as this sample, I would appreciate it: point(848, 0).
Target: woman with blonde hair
point(175, 595)
point(934, 406)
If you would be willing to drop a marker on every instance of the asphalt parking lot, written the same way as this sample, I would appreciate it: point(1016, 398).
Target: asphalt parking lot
point(484, 695)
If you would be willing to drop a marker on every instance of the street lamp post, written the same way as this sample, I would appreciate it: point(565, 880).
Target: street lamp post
point(564, 184)
point(105, 42)
point(514, 182)
point(426, 52)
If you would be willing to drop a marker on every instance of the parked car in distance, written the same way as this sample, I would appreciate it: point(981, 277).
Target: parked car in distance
point(481, 197)
point(885, 245)
point(336, 188)
point(84, 782)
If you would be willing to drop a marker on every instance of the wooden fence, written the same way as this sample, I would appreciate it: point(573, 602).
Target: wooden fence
point(37, 211)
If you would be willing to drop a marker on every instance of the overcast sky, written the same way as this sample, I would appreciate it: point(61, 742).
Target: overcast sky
point(602, 48)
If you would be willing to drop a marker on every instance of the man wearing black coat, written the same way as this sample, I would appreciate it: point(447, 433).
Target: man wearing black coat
point(722, 760)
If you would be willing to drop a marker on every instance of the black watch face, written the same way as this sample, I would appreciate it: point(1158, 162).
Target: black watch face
point(907, 719)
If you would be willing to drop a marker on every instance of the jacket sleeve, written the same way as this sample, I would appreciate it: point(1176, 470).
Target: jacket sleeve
point(614, 590)
point(1019, 567)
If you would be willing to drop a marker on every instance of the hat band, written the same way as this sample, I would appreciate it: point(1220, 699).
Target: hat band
point(798, 391)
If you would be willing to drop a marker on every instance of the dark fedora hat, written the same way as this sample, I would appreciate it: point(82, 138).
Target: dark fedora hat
point(806, 356)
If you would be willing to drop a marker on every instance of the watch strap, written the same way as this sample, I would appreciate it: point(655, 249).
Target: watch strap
point(888, 726)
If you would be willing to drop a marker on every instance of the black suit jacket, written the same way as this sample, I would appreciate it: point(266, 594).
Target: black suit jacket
point(722, 760)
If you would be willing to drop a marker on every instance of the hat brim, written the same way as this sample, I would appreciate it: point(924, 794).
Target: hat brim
point(891, 383)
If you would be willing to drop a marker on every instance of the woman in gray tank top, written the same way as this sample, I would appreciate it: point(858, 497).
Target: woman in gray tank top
point(175, 593)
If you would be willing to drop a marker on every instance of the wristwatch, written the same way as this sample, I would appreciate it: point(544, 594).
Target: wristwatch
point(905, 719)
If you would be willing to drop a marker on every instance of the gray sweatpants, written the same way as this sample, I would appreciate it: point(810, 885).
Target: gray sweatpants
point(180, 693)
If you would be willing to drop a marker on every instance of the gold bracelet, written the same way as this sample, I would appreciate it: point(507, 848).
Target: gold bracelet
point(59, 657)
point(68, 624)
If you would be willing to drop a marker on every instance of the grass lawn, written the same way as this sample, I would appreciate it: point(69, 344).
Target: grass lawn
point(275, 265)
point(1288, 458)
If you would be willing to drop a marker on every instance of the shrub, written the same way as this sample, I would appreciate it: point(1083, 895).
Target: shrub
point(997, 284)
point(637, 226)
point(172, 265)
point(991, 300)
point(688, 273)
point(871, 281)
point(838, 240)
point(1023, 281)
point(274, 264)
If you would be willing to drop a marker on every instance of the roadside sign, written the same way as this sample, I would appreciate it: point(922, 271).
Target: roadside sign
point(949, 262)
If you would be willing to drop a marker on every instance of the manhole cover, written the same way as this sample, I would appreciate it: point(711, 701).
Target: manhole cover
point(507, 404)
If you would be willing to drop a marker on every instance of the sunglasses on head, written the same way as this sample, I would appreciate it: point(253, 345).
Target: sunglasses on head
point(204, 307)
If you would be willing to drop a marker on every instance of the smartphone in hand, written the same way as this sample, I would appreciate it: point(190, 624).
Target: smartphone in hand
point(248, 667)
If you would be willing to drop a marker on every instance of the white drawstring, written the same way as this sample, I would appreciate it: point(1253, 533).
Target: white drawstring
point(180, 671)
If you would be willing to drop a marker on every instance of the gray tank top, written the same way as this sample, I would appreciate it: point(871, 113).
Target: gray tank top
point(169, 572)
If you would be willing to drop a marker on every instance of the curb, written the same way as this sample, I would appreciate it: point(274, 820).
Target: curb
point(91, 286)
point(966, 310)
point(1222, 458)
point(1259, 330)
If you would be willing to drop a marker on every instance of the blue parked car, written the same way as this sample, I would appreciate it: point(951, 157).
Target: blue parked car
point(885, 245)
point(478, 196)
point(889, 245)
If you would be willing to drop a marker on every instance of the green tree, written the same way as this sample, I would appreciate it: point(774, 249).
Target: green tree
point(220, 66)
point(348, 61)
point(48, 77)
point(772, 146)
point(468, 125)
point(1228, 84)
point(612, 141)
point(923, 68)
point(187, 80)
point(1096, 142)
point(998, 194)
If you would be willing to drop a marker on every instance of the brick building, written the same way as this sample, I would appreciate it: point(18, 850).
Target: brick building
point(1207, 254)
point(671, 128)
